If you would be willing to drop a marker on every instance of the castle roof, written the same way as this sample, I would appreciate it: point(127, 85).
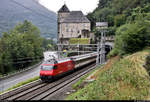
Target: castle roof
point(64, 8)
point(76, 17)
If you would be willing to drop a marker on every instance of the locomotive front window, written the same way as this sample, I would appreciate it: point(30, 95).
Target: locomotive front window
point(47, 67)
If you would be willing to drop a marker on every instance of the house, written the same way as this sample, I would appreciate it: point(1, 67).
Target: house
point(72, 24)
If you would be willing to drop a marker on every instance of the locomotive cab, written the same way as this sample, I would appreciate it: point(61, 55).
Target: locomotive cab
point(47, 70)
point(53, 69)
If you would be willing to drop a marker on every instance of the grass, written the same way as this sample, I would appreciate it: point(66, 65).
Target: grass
point(119, 79)
point(21, 84)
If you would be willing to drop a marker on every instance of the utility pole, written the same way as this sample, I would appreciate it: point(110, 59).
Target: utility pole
point(98, 54)
point(78, 47)
point(102, 26)
point(101, 51)
point(78, 44)
point(102, 57)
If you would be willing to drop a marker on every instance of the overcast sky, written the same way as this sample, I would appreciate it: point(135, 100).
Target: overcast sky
point(85, 6)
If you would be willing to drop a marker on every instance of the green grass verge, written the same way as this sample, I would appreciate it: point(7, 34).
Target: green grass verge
point(126, 79)
point(21, 84)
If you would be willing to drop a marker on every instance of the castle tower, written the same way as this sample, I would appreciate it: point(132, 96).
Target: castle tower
point(71, 24)
point(62, 14)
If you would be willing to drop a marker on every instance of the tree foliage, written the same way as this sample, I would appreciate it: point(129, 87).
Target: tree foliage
point(19, 47)
point(117, 12)
point(49, 44)
point(129, 21)
point(132, 37)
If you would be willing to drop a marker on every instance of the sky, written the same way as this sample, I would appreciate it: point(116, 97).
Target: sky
point(85, 6)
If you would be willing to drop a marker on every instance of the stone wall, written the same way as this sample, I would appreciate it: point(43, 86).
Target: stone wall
point(72, 30)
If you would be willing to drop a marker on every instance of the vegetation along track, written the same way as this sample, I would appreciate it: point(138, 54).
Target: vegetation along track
point(43, 90)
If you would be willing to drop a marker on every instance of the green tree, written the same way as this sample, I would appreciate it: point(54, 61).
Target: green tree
point(132, 37)
point(18, 46)
point(31, 34)
point(119, 20)
point(47, 42)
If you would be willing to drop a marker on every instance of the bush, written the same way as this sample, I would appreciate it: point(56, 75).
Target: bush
point(111, 30)
point(132, 37)
point(119, 20)
point(79, 40)
point(112, 53)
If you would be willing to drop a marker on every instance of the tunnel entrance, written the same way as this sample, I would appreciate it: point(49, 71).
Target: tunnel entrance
point(108, 48)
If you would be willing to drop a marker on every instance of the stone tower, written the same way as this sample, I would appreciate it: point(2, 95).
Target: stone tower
point(72, 24)
point(62, 14)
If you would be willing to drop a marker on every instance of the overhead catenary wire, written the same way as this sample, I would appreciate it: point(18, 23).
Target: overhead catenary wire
point(35, 12)
point(13, 1)
point(31, 10)
point(25, 58)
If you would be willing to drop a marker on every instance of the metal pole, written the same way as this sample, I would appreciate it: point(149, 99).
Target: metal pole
point(101, 52)
point(97, 59)
point(104, 44)
point(78, 46)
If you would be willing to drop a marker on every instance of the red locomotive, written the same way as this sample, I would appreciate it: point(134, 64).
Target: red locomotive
point(53, 68)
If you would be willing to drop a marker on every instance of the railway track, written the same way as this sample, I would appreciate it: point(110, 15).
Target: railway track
point(42, 91)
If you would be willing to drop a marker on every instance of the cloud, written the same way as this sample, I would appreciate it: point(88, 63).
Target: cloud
point(84, 5)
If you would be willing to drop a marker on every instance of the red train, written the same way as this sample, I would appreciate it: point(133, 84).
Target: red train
point(53, 68)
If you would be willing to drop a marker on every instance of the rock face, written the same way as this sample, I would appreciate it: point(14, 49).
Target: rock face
point(15, 11)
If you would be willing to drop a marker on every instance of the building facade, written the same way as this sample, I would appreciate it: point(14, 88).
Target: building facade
point(72, 24)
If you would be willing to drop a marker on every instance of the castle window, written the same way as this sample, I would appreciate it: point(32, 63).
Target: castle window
point(78, 31)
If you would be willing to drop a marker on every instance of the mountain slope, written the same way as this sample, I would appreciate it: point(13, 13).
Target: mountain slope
point(15, 11)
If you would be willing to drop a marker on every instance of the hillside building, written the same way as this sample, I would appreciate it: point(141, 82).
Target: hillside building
point(72, 24)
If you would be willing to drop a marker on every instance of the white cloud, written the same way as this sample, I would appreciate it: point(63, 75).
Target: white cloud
point(84, 5)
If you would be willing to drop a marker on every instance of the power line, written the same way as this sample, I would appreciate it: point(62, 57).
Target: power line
point(13, 1)
point(31, 10)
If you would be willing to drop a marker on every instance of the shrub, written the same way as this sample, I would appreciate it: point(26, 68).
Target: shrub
point(79, 40)
point(112, 53)
point(132, 37)
point(119, 20)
